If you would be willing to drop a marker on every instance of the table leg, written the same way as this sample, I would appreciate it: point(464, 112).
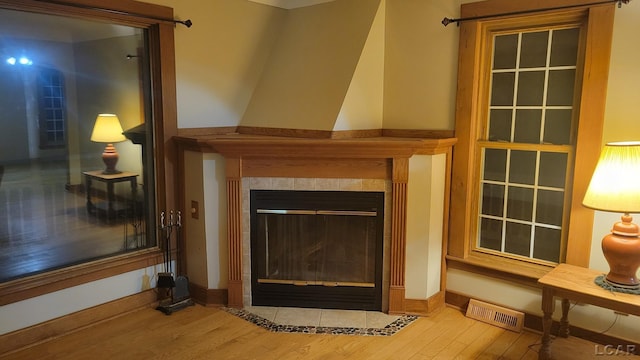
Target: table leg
point(111, 212)
point(87, 180)
point(547, 308)
point(564, 321)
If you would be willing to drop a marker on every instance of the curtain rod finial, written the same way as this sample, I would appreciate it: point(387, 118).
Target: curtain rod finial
point(446, 21)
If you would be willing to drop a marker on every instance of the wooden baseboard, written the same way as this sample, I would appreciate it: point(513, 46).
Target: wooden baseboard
point(48, 330)
point(208, 297)
point(534, 323)
point(423, 307)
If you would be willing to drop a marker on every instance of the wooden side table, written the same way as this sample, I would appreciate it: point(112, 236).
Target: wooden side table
point(109, 180)
point(576, 283)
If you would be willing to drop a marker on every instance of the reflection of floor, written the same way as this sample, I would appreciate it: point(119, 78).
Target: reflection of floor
point(43, 226)
point(326, 321)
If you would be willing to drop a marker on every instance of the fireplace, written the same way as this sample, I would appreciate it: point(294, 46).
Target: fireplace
point(339, 162)
point(317, 248)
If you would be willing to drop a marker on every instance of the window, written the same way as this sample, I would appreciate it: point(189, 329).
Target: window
point(527, 115)
point(52, 108)
point(527, 143)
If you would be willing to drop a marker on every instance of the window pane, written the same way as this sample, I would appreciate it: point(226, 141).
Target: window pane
point(505, 51)
point(528, 123)
point(522, 168)
point(564, 47)
point(534, 49)
point(546, 244)
point(557, 126)
point(502, 89)
point(560, 92)
point(517, 239)
point(495, 164)
point(490, 234)
point(492, 199)
point(500, 125)
point(549, 207)
point(530, 88)
point(520, 203)
point(553, 168)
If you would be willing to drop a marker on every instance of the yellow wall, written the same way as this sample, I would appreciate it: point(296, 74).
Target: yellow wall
point(220, 59)
point(363, 103)
point(311, 66)
point(421, 61)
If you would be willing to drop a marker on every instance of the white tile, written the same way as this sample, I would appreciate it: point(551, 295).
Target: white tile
point(379, 320)
point(265, 312)
point(343, 318)
point(298, 316)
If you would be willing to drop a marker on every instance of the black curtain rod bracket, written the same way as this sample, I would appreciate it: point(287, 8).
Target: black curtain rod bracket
point(446, 21)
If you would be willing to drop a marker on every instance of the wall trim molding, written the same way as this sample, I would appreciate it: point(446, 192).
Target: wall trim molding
point(424, 307)
point(208, 297)
point(48, 330)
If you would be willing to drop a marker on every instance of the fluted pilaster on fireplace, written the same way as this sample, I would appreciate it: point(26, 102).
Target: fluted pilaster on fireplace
point(400, 177)
point(234, 230)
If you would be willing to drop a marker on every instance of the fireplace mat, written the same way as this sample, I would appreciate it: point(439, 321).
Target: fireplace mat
point(388, 330)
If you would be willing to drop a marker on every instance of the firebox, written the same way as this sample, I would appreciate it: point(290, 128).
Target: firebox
point(319, 249)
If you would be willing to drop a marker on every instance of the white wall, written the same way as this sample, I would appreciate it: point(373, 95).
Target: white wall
point(215, 218)
point(425, 204)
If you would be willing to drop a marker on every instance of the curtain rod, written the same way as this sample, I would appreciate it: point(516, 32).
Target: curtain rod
point(446, 21)
point(186, 23)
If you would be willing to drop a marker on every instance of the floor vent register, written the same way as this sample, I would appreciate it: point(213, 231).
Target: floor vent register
point(495, 315)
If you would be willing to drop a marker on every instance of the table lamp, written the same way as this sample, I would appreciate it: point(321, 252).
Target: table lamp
point(615, 187)
point(107, 129)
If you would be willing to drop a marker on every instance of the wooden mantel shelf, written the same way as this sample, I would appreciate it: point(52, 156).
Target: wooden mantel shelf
point(244, 145)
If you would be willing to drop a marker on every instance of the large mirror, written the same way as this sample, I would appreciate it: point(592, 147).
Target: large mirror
point(73, 93)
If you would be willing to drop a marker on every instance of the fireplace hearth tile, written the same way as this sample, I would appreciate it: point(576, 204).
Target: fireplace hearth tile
point(343, 318)
point(298, 316)
point(375, 324)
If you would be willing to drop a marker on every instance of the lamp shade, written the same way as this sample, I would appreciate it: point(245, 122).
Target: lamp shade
point(107, 129)
point(615, 185)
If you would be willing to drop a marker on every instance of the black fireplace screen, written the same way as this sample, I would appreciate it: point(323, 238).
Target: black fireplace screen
point(313, 249)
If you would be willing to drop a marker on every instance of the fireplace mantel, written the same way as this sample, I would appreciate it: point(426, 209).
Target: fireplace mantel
point(244, 145)
point(379, 157)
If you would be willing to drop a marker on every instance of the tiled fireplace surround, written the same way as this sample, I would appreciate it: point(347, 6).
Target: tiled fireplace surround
point(279, 163)
point(312, 184)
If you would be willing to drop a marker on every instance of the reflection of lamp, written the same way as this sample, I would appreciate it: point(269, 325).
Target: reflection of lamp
point(615, 187)
point(107, 129)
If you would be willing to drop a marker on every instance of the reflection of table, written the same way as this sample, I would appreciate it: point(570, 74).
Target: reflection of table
point(576, 283)
point(109, 180)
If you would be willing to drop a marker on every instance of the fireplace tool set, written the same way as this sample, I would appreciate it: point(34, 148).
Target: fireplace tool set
point(178, 288)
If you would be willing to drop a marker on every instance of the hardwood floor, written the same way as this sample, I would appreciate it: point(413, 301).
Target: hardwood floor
point(209, 333)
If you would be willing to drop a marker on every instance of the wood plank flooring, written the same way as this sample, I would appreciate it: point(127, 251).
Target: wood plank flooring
point(209, 333)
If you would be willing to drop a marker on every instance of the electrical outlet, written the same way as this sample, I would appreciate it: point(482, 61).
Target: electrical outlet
point(195, 209)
